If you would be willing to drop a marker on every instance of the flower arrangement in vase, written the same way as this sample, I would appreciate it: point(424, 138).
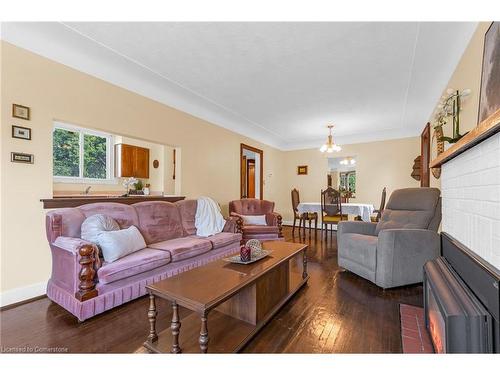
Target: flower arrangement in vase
point(127, 182)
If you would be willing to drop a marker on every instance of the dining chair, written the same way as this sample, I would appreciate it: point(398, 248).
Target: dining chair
point(375, 218)
point(302, 217)
point(331, 208)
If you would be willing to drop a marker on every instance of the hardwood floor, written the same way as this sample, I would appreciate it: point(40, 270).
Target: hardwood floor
point(337, 312)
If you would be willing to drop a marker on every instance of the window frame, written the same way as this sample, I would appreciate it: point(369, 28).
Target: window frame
point(110, 179)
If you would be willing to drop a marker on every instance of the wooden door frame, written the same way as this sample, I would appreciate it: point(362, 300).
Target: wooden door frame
point(425, 150)
point(261, 175)
point(249, 163)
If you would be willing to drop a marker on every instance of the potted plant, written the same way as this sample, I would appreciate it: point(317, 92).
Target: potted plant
point(126, 184)
point(138, 187)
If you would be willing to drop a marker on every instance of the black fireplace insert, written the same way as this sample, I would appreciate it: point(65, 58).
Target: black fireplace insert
point(462, 301)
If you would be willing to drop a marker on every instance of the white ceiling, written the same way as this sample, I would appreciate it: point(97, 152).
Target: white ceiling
point(279, 83)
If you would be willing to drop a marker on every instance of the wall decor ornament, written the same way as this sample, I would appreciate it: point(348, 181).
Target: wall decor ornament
point(20, 111)
point(437, 148)
point(21, 132)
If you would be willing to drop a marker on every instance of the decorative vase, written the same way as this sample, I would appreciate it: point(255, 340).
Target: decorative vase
point(146, 191)
point(245, 253)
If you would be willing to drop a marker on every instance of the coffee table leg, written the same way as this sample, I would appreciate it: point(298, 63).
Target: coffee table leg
point(304, 264)
point(152, 318)
point(175, 328)
point(204, 339)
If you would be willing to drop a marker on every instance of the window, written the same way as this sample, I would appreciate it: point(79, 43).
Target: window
point(348, 182)
point(81, 155)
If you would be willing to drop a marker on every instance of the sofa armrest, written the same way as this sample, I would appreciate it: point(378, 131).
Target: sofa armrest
point(274, 219)
point(359, 227)
point(75, 262)
point(402, 253)
point(233, 224)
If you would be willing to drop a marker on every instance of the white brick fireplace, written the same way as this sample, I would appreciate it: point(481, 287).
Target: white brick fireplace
point(470, 185)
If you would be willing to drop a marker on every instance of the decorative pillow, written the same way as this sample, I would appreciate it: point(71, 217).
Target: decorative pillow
point(118, 243)
point(254, 219)
point(95, 224)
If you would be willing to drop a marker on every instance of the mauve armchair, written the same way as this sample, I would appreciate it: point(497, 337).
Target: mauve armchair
point(254, 207)
point(393, 251)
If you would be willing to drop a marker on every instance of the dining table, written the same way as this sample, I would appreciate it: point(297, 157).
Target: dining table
point(363, 210)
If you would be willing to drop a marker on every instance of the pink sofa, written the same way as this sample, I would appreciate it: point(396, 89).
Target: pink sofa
point(85, 285)
point(271, 231)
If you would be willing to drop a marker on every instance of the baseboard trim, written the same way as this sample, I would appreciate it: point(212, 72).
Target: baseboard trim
point(21, 295)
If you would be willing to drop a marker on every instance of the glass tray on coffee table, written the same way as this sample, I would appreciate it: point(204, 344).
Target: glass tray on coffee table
point(255, 256)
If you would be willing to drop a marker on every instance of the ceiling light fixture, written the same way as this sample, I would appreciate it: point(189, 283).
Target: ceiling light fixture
point(348, 161)
point(330, 146)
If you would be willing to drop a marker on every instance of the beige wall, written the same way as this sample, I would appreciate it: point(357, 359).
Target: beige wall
point(467, 75)
point(378, 164)
point(56, 92)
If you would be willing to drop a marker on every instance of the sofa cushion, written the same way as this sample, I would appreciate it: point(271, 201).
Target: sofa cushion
point(183, 248)
point(124, 214)
point(159, 221)
point(187, 210)
point(116, 244)
point(223, 239)
point(250, 229)
point(254, 219)
point(360, 248)
point(403, 219)
point(132, 264)
point(251, 207)
point(95, 224)
point(411, 208)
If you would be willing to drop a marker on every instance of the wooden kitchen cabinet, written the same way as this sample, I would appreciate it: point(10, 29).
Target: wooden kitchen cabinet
point(131, 161)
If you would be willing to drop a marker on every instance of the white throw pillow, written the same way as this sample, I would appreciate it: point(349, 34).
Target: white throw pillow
point(95, 224)
point(118, 243)
point(254, 219)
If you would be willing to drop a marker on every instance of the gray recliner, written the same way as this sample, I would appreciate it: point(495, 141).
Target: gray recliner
point(393, 251)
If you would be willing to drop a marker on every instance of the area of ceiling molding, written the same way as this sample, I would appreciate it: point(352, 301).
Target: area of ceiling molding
point(278, 83)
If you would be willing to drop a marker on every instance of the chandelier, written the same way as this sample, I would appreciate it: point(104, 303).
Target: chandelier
point(330, 146)
point(348, 161)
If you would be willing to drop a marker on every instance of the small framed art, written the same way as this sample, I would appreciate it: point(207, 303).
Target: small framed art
point(20, 111)
point(19, 157)
point(302, 169)
point(21, 132)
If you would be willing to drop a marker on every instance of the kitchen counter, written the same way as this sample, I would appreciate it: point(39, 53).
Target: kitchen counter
point(75, 200)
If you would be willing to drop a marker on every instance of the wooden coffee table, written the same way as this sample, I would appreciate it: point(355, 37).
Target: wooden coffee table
point(231, 302)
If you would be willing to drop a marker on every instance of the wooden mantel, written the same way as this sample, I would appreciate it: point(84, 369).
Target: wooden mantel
point(484, 130)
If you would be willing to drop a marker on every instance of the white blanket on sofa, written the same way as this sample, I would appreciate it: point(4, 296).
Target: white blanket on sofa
point(208, 219)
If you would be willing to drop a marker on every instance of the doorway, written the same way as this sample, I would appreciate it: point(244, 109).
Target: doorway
point(251, 172)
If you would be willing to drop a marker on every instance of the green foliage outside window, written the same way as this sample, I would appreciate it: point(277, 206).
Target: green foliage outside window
point(66, 150)
point(351, 182)
point(94, 156)
point(348, 182)
point(66, 154)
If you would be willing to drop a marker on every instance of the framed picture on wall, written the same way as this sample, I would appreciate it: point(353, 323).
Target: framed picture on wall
point(21, 132)
point(19, 157)
point(20, 111)
point(489, 97)
point(302, 169)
